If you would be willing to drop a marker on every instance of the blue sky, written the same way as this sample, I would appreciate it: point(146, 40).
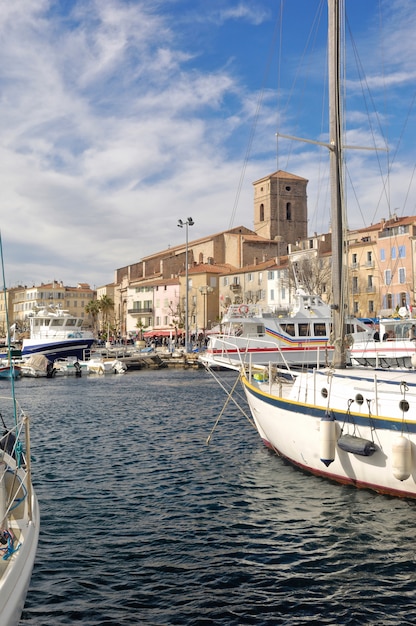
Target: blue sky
point(120, 117)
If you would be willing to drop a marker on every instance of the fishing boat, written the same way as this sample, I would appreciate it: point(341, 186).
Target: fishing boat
point(55, 333)
point(353, 425)
point(301, 338)
point(19, 510)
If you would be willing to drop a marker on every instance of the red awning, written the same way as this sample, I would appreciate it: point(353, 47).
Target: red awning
point(157, 332)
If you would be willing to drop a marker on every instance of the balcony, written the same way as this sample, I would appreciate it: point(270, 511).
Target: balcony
point(140, 311)
point(235, 287)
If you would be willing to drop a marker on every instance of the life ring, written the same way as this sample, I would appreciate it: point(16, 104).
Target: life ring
point(243, 309)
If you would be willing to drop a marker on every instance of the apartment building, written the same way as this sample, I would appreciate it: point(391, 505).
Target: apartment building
point(25, 300)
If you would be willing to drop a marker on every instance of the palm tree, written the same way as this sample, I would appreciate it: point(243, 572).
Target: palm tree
point(106, 307)
point(93, 309)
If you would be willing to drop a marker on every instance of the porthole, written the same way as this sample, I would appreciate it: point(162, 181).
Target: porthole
point(359, 399)
point(404, 405)
point(288, 188)
point(324, 392)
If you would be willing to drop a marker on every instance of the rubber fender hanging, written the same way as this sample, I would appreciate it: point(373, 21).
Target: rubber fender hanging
point(356, 445)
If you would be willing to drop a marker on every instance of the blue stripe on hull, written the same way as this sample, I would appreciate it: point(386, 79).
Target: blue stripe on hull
point(60, 349)
point(341, 416)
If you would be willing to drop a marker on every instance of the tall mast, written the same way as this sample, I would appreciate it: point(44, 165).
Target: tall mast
point(335, 140)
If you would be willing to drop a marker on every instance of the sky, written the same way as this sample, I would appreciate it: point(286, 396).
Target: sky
point(119, 117)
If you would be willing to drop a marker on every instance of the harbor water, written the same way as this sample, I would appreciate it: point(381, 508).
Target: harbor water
point(144, 523)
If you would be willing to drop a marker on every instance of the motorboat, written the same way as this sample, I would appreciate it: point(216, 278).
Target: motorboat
point(301, 337)
point(55, 333)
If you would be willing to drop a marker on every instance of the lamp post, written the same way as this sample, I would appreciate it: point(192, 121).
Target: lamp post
point(205, 290)
point(188, 222)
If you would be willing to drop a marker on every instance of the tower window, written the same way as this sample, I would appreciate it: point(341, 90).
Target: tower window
point(288, 211)
point(262, 213)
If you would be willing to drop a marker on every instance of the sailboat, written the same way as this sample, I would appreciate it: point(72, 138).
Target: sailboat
point(353, 426)
point(19, 510)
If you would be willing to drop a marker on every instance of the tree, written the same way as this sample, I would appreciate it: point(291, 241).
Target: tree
point(313, 274)
point(106, 305)
point(93, 309)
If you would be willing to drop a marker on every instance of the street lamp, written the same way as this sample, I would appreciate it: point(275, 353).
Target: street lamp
point(205, 290)
point(188, 222)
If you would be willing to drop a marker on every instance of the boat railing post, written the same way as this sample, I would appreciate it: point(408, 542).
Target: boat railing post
point(28, 468)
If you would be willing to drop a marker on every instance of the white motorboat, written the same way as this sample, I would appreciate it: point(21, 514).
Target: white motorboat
point(55, 333)
point(302, 337)
point(393, 345)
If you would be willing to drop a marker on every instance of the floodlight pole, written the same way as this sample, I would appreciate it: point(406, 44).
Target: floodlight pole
point(188, 222)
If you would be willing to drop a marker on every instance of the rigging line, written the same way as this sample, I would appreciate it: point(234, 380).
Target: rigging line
point(219, 382)
point(253, 127)
point(8, 333)
point(229, 397)
point(364, 83)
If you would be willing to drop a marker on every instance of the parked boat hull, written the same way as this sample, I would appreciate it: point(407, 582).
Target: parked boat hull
point(57, 349)
point(373, 412)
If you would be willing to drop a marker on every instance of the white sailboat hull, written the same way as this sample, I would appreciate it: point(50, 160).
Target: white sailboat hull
point(15, 580)
point(293, 426)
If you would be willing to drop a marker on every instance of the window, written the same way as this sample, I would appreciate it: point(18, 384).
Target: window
point(355, 284)
point(289, 211)
point(289, 329)
point(371, 306)
point(319, 329)
point(260, 278)
point(355, 308)
point(270, 275)
point(271, 294)
point(303, 330)
point(262, 213)
point(382, 254)
point(225, 281)
point(387, 277)
point(393, 252)
point(354, 259)
point(250, 277)
point(402, 252)
point(402, 275)
point(389, 301)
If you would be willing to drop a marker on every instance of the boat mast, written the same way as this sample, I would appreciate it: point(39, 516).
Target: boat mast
point(335, 140)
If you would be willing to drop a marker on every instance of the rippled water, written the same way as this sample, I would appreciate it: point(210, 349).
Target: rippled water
point(143, 523)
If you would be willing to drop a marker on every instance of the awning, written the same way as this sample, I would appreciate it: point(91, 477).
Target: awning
point(158, 332)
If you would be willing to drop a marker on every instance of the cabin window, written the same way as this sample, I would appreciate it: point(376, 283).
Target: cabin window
point(289, 329)
point(303, 330)
point(319, 329)
point(57, 322)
